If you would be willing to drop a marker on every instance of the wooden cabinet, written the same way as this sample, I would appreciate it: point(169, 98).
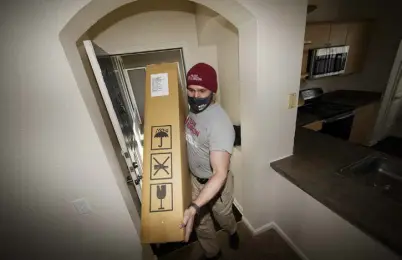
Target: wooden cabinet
point(325, 34)
point(315, 126)
point(304, 63)
point(357, 39)
point(338, 34)
point(363, 123)
point(317, 34)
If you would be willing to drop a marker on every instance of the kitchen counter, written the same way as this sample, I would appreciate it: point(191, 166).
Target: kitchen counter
point(351, 97)
point(313, 166)
point(344, 97)
point(306, 118)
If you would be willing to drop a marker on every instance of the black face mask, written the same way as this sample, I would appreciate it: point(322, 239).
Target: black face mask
point(198, 105)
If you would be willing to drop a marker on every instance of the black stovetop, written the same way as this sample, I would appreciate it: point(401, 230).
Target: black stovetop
point(324, 110)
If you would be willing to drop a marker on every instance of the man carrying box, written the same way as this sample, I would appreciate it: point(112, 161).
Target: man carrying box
point(210, 138)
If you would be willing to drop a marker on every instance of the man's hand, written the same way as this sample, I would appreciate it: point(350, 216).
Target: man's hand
point(188, 222)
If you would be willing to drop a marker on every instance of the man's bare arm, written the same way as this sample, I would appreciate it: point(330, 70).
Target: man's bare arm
point(220, 165)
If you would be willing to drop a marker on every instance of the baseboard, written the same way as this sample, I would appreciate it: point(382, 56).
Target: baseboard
point(264, 228)
point(248, 225)
point(285, 237)
point(259, 230)
point(273, 225)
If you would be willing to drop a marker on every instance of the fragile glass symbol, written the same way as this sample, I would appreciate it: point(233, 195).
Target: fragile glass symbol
point(161, 193)
point(161, 166)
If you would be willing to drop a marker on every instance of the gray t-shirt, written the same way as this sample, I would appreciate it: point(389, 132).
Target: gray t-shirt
point(210, 130)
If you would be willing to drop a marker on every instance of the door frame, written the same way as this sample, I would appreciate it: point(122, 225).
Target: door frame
point(95, 66)
point(93, 55)
point(381, 128)
point(130, 88)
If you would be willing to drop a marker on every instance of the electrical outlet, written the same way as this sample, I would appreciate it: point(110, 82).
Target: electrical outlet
point(82, 206)
point(292, 102)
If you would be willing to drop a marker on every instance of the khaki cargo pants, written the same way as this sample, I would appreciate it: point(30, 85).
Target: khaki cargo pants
point(221, 207)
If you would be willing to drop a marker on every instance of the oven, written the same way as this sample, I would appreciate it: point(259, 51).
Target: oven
point(337, 119)
point(339, 126)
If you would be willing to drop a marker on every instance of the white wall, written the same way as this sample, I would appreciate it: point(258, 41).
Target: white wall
point(205, 37)
point(263, 108)
point(51, 153)
point(280, 31)
point(239, 175)
point(150, 28)
point(228, 64)
point(215, 30)
point(317, 231)
point(263, 103)
point(58, 148)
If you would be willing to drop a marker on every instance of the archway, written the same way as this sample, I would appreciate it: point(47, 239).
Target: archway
point(84, 19)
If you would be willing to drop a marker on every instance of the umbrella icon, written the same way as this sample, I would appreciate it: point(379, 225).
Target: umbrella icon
point(161, 133)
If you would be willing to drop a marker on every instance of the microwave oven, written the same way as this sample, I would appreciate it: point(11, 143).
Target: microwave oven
point(330, 61)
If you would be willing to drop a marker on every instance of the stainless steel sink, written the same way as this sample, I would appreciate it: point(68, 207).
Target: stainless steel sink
point(377, 171)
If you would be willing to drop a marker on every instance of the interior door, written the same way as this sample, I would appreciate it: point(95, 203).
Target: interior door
point(134, 114)
point(115, 95)
point(393, 95)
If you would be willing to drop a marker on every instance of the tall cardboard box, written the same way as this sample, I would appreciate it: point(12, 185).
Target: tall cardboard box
point(166, 190)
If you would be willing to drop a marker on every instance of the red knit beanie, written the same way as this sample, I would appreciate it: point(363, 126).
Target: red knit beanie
point(203, 75)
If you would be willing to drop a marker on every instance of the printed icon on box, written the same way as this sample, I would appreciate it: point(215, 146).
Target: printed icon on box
point(161, 166)
point(161, 193)
point(161, 137)
point(161, 197)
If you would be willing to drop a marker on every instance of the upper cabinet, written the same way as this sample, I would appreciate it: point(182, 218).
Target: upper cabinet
point(338, 34)
point(357, 38)
point(326, 34)
point(316, 35)
point(304, 64)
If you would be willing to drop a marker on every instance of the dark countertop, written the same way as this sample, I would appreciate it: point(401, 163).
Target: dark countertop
point(351, 97)
point(345, 97)
point(306, 118)
point(313, 169)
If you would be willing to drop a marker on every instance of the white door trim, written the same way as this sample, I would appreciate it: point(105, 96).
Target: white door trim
point(89, 47)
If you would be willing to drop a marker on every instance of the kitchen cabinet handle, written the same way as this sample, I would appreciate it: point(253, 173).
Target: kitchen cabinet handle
point(340, 117)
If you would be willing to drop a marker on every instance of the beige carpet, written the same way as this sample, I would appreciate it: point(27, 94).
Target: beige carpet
point(268, 245)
